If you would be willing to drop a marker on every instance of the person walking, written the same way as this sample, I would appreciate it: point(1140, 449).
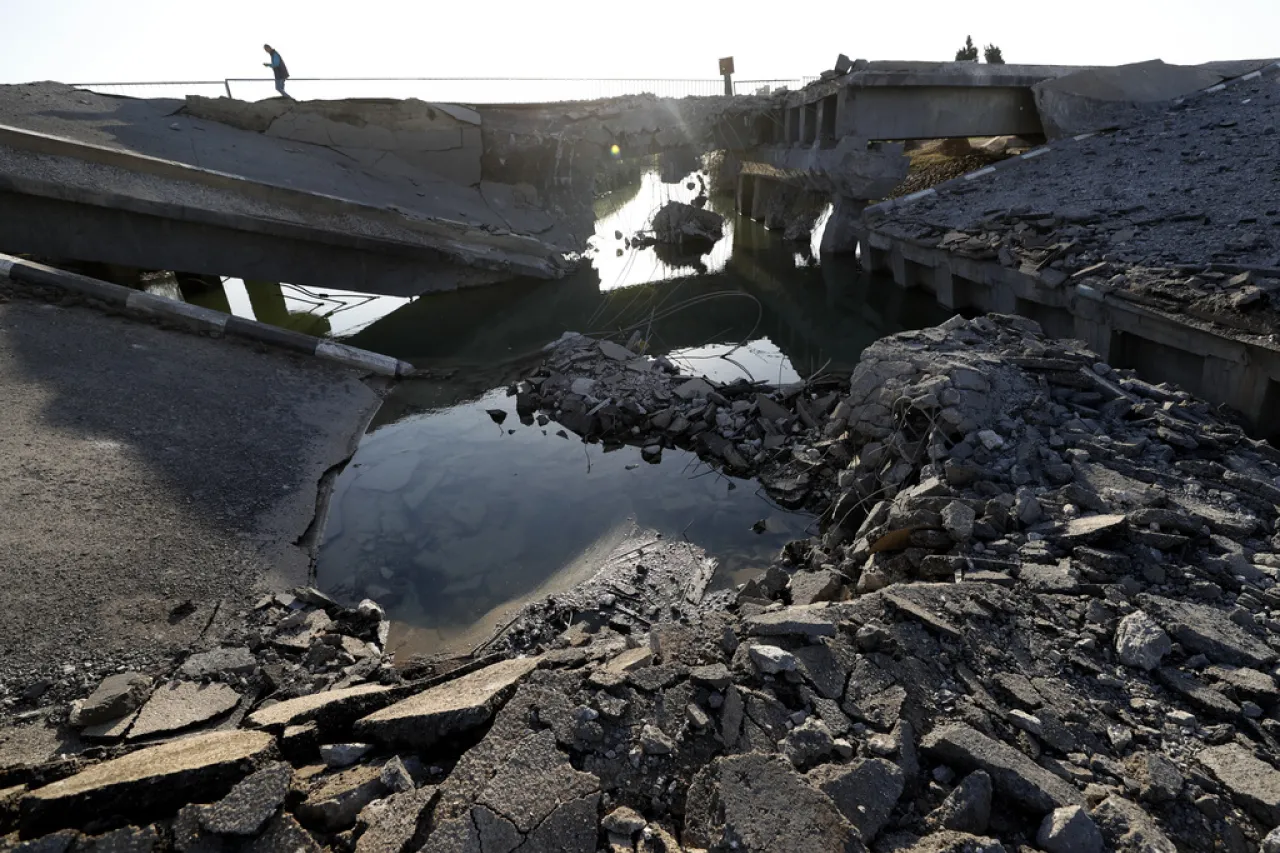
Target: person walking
point(278, 68)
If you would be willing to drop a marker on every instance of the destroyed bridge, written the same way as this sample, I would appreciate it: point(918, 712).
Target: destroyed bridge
point(405, 197)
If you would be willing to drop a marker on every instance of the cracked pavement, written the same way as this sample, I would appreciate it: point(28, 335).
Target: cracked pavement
point(141, 469)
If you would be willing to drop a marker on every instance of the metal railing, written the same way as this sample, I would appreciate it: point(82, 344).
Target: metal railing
point(465, 90)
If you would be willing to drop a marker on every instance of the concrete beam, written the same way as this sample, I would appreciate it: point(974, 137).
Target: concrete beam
point(932, 74)
point(809, 124)
point(77, 231)
point(745, 197)
point(850, 169)
point(1240, 371)
point(937, 112)
point(762, 196)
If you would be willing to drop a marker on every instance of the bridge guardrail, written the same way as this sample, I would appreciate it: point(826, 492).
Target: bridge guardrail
point(465, 90)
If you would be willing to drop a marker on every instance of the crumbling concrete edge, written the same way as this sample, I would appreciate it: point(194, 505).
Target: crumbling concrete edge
point(1235, 368)
point(206, 319)
point(965, 180)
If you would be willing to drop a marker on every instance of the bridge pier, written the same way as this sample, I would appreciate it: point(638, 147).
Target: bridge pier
point(841, 234)
point(746, 193)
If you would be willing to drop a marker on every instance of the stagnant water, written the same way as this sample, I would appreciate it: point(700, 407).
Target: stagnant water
point(451, 520)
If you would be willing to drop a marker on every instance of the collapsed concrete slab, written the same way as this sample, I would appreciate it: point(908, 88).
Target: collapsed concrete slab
point(372, 197)
point(759, 802)
point(1252, 783)
point(351, 703)
point(182, 705)
point(1013, 773)
point(149, 781)
point(383, 133)
point(1100, 98)
point(446, 709)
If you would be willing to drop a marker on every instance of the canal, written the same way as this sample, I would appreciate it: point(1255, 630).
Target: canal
point(452, 520)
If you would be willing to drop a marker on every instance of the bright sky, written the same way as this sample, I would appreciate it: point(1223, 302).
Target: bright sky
point(150, 40)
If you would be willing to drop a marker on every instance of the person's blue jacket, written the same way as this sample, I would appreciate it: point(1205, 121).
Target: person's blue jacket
point(278, 67)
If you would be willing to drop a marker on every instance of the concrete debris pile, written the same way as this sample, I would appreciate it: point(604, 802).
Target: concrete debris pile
point(1160, 212)
point(604, 391)
point(291, 644)
point(1043, 615)
point(685, 226)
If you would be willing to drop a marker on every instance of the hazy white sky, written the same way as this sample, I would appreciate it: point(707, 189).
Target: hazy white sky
point(149, 40)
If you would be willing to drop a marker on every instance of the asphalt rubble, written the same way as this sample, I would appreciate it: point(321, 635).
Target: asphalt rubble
point(1041, 614)
point(1176, 212)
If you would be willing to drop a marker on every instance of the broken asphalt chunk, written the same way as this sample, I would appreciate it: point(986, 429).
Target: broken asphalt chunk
point(446, 709)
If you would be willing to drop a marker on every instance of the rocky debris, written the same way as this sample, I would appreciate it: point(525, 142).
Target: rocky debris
point(1069, 830)
point(146, 782)
point(333, 801)
point(219, 664)
point(115, 697)
point(1140, 642)
point(1041, 610)
point(350, 702)
point(967, 808)
point(930, 166)
point(447, 710)
point(1254, 784)
point(339, 755)
point(1013, 774)
point(1184, 232)
point(250, 804)
point(181, 705)
point(683, 225)
point(865, 791)
point(758, 802)
point(771, 660)
point(1125, 826)
point(393, 822)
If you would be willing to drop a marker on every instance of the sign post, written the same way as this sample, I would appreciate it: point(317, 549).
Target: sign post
point(726, 68)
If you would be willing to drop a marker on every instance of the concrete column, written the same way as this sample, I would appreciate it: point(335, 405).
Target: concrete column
point(746, 194)
point(841, 234)
point(898, 266)
point(764, 191)
point(828, 108)
point(873, 260)
point(809, 124)
point(793, 125)
point(944, 286)
point(1241, 386)
point(1091, 328)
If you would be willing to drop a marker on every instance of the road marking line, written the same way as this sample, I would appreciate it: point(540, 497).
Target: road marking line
point(1217, 88)
point(6, 268)
point(1084, 136)
point(1036, 153)
point(1254, 76)
point(979, 173)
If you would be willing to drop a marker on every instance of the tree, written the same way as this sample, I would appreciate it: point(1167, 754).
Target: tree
point(968, 53)
point(993, 55)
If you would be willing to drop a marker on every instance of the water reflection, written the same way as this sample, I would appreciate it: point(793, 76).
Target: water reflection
point(616, 265)
point(445, 515)
point(319, 313)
